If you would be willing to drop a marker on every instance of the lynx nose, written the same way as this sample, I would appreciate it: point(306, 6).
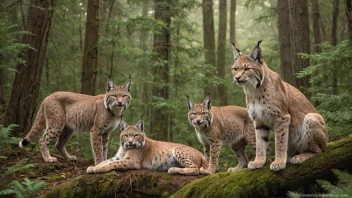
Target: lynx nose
point(119, 102)
point(237, 77)
point(198, 121)
point(130, 143)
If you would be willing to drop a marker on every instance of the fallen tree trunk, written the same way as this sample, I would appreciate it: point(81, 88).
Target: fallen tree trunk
point(266, 183)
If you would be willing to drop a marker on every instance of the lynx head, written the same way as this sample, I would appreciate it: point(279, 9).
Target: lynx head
point(200, 115)
point(132, 136)
point(248, 69)
point(117, 98)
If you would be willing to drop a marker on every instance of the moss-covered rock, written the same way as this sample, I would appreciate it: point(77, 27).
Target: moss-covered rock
point(266, 183)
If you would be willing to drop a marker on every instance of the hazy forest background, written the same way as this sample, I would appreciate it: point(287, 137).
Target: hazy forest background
point(171, 48)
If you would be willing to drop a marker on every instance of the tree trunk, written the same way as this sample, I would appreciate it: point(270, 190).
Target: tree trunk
point(222, 51)
point(24, 94)
point(233, 21)
point(161, 47)
point(90, 53)
point(266, 183)
point(335, 12)
point(349, 17)
point(283, 18)
point(208, 37)
point(299, 25)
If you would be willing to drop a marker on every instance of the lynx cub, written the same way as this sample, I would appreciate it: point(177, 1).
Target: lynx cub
point(216, 126)
point(138, 152)
point(300, 131)
point(63, 112)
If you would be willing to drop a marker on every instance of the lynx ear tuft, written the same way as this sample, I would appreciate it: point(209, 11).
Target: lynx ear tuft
point(190, 104)
point(236, 52)
point(207, 102)
point(140, 124)
point(110, 85)
point(123, 124)
point(127, 85)
point(256, 54)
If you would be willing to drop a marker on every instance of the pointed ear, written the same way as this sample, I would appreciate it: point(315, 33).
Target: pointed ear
point(189, 103)
point(207, 102)
point(123, 125)
point(256, 54)
point(140, 125)
point(127, 85)
point(236, 52)
point(110, 85)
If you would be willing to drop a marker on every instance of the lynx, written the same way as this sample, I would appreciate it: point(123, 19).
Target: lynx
point(63, 112)
point(215, 126)
point(137, 151)
point(300, 131)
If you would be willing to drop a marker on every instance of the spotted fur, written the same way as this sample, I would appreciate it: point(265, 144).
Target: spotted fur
point(300, 131)
point(216, 126)
point(63, 112)
point(137, 151)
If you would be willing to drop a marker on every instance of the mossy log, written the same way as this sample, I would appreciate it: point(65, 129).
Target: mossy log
point(137, 183)
point(266, 183)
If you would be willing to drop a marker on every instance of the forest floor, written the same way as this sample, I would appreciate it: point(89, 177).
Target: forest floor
point(62, 171)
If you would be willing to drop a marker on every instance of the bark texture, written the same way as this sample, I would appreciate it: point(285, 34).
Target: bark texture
point(90, 53)
point(349, 17)
point(283, 17)
point(25, 91)
point(266, 183)
point(161, 47)
point(300, 42)
point(233, 20)
point(208, 37)
point(222, 92)
point(335, 12)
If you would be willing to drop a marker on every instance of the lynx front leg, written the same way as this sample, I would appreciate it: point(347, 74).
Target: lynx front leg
point(105, 144)
point(238, 149)
point(124, 164)
point(206, 149)
point(215, 147)
point(262, 137)
point(281, 142)
point(61, 142)
point(97, 145)
point(185, 159)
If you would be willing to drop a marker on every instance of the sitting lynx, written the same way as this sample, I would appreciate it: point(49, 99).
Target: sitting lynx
point(139, 152)
point(300, 131)
point(63, 112)
point(221, 125)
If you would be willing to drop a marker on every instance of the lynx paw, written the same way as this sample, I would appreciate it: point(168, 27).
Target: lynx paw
point(296, 160)
point(237, 168)
point(51, 159)
point(207, 171)
point(91, 169)
point(172, 171)
point(277, 166)
point(72, 158)
point(256, 164)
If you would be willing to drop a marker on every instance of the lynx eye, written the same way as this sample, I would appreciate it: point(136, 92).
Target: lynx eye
point(203, 113)
point(234, 69)
point(192, 114)
point(136, 135)
point(125, 135)
point(125, 95)
point(113, 95)
point(247, 69)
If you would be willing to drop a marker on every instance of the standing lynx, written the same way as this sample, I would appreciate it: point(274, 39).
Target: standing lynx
point(63, 112)
point(221, 125)
point(137, 152)
point(300, 131)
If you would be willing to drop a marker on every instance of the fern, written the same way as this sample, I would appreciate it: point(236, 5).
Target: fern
point(5, 136)
point(26, 189)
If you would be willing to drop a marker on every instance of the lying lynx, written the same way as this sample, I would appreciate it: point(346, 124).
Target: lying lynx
point(63, 112)
point(300, 131)
point(221, 125)
point(139, 152)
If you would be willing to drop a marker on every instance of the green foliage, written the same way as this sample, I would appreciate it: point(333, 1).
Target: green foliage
point(26, 189)
point(5, 136)
point(336, 109)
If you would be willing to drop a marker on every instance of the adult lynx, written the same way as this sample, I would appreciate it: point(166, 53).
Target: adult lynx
point(137, 152)
point(216, 126)
point(300, 131)
point(63, 112)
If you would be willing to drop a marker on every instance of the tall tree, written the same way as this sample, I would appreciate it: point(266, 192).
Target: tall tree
point(300, 42)
point(349, 16)
point(283, 19)
point(233, 20)
point(221, 52)
point(208, 36)
point(90, 53)
point(161, 47)
point(316, 25)
point(335, 12)
point(25, 89)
